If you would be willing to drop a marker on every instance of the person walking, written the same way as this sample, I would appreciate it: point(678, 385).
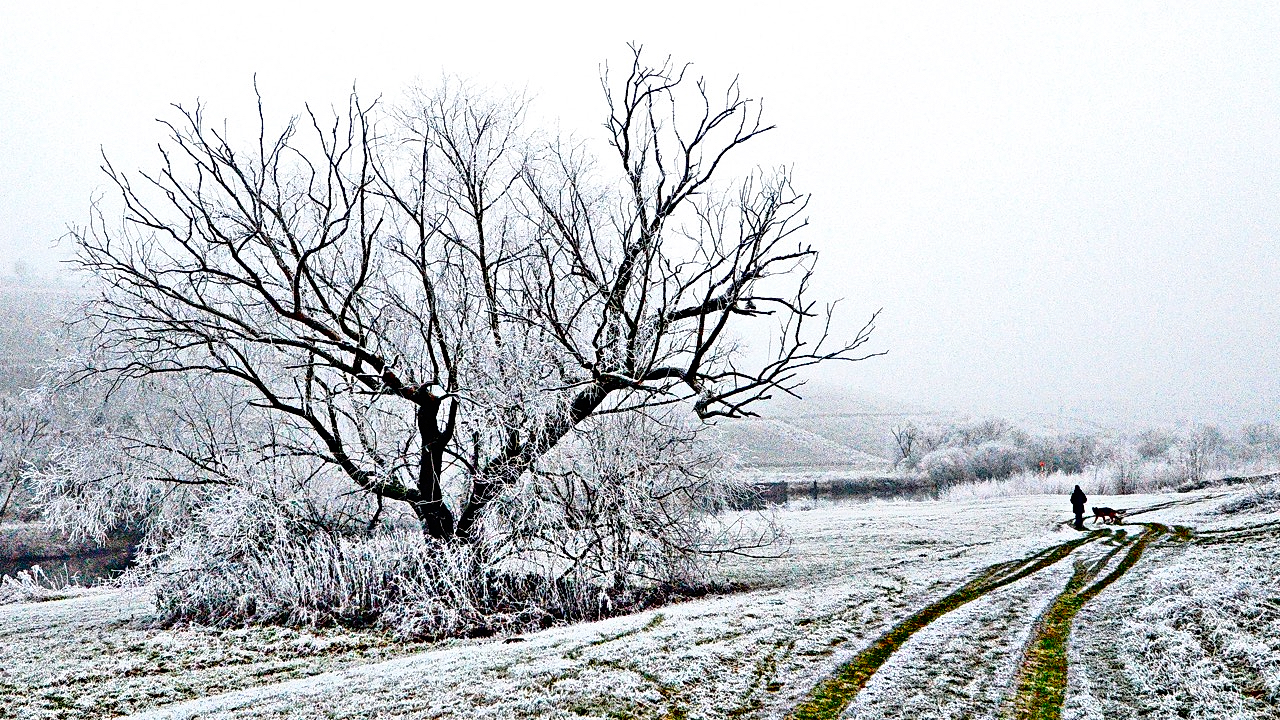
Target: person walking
point(1078, 499)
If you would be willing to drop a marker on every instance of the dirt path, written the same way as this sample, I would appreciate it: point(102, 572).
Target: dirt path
point(1042, 680)
point(830, 698)
point(1040, 683)
point(960, 665)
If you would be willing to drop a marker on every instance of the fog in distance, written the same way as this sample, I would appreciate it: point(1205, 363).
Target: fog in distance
point(1065, 210)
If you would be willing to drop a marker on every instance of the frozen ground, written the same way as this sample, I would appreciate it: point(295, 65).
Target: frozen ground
point(1190, 631)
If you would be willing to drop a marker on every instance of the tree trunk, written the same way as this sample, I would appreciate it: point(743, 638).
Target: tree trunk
point(436, 519)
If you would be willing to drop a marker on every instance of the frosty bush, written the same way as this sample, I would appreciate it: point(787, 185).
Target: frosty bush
point(20, 427)
point(274, 569)
point(994, 459)
point(951, 465)
point(628, 499)
point(1201, 450)
point(36, 426)
point(1153, 443)
point(1260, 441)
point(1259, 499)
point(38, 585)
point(978, 432)
point(397, 579)
point(1101, 480)
point(1071, 453)
point(624, 514)
point(1004, 459)
point(989, 449)
point(947, 466)
point(1023, 483)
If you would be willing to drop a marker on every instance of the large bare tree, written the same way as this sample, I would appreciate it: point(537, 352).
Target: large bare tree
point(428, 298)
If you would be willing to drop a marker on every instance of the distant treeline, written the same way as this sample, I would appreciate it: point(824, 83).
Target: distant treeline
point(995, 449)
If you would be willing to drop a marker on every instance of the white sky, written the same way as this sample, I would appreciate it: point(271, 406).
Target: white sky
point(1068, 208)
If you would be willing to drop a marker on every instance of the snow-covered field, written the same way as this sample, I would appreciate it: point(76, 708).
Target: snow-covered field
point(1193, 630)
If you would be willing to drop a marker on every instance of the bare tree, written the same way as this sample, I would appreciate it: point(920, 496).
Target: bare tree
point(1202, 449)
point(427, 299)
point(905, 437)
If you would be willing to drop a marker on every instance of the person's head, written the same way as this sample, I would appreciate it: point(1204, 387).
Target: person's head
point(1077, 488)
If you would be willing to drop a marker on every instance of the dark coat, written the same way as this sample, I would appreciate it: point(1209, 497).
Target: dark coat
point(1078, 499)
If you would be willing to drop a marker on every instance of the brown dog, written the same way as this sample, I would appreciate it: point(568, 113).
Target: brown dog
point(1109, 516)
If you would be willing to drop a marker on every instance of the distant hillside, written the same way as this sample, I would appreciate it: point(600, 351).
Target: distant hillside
point(793, 443)
point(823, 398)
point(1046, 423)
point(833, 429)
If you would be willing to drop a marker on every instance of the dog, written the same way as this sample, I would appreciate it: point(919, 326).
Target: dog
point(1108, 515)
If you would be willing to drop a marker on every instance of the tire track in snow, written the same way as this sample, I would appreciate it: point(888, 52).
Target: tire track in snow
point(961, 665)
point(830, 698)
point(1042, 680)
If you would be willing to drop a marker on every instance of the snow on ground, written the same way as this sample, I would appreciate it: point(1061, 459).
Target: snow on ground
point(1194, 632)
point(95, 656)
point(979, 645)
point(851, 572)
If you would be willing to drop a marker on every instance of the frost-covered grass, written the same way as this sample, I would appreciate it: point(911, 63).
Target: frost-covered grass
point(850, 573)
point(99, 656)
point(1193, 634)
point(36, 585)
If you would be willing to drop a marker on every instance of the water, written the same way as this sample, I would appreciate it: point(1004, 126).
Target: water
point(82, 569)
point(839, 490)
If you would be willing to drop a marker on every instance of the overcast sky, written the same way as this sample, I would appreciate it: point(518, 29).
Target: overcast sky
point(1071, 208)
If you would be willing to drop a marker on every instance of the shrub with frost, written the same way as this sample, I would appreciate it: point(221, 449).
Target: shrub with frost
point(995, 460)
point(629, 499)
point(1070, 453)
point(1263, 498)
point(624, 514)
point(947, 466)
point(248, 560)
point(1153, 443)
point(39, 425)
point(35, 584)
